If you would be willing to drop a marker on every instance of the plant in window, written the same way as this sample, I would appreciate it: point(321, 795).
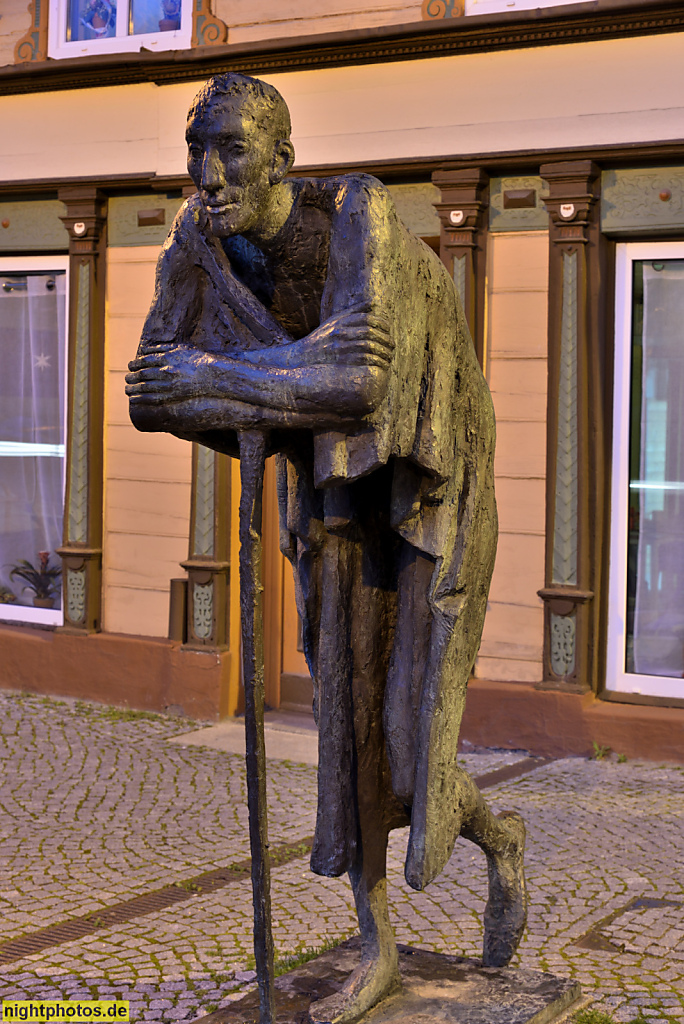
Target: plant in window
point(99, 16)
point(42, 579)
point(171, 19)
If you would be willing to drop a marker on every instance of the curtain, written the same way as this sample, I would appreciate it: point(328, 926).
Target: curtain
point(658, 492)
point(32, 461)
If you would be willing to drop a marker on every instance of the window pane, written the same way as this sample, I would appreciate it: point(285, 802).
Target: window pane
point(91, 19)
point(655, 576)
point(32, 347)
point(154, 16)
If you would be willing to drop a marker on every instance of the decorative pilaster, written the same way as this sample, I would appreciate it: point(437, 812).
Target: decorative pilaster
point(207, 29)
point(574, 444)
point(463, 238)
point(208, 564)
point(442, 9)
point(82, 548)
point(33, 45)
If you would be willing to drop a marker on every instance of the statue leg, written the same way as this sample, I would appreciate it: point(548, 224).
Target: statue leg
point(502, 838)
point(370, 605)
point(377, 976)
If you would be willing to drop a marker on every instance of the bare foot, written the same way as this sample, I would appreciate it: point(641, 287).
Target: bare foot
point(371, 981)
point(506, 911)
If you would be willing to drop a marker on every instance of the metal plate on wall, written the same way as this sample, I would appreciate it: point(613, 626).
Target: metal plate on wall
point(527, 219)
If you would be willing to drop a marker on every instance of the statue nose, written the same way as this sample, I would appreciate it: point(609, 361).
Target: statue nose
point(213, 172)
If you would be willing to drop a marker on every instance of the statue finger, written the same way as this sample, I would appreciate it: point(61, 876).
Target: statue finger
point(365, 341)
point(373, 321)
point(379, 321)
point(363, 359)
point(146, 373)
point(147, 399)
point(142, 362)
point(160, 346)
point(144, 387)
point(367, 346)
point(364, 327)
point(381, 337)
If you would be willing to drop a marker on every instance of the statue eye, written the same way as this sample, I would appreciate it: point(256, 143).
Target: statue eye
point(195, 152)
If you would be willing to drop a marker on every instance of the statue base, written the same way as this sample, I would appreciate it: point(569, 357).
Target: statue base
point(437, 989)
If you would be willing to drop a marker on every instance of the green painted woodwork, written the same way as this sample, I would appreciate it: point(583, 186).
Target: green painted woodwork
point(415, 206)
point(122, 224)
point(460, 276)
point(642, 201)
point(33, 225)
point(567, 449)
point(77, 520)
point(203, 538)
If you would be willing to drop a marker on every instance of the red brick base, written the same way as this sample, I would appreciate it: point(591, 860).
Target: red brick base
point(154, 674)
point(136, 672)
point(551, 723)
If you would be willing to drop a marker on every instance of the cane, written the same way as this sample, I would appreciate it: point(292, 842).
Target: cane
point(252, 458)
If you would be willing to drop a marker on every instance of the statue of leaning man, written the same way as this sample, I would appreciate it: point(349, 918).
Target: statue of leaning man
point(303, 307)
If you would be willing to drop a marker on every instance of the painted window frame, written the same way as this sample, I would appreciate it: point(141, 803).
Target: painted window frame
point(59, 48)
point(617, 679)
point(26, 614)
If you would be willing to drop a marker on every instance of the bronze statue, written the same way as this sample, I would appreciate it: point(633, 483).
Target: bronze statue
point(303, 309)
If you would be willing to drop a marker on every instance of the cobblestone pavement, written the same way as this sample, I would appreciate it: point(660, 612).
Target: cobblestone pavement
point(98, 808)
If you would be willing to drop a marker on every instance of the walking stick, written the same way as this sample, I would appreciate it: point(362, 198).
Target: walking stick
point(252, 458)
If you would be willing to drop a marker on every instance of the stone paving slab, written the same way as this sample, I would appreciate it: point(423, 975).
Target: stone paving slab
point(287, 737)
point(294, 737)
point(97, 809)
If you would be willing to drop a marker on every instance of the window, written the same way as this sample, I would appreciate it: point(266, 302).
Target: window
point(79, 27)
point(646, 609)
point(33, 318)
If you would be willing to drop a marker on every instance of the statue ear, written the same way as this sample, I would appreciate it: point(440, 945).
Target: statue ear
point(283, 158)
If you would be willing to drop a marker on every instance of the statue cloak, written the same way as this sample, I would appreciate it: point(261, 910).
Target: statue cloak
point(390, 524)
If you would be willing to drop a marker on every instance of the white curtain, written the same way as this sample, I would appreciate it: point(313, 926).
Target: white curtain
point(658, 641)
point(32, 370)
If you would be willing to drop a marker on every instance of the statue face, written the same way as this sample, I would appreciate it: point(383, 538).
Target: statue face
point(232, 157)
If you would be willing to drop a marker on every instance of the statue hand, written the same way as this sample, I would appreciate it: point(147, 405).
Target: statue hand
point(170, 373)
point(355, 337)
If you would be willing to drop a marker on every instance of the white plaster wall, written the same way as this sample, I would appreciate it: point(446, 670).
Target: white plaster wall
point(89, 132)
point(271, 19)
point(616, 91)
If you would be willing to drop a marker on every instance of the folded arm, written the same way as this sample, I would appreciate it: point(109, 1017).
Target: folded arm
point(335, 374)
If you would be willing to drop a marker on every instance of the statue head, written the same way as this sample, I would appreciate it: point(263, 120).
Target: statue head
point(239, 150)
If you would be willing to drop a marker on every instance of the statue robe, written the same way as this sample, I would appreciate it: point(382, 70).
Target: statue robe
point(390, 524)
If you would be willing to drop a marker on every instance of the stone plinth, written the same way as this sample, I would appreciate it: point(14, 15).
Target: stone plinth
point(437, 989)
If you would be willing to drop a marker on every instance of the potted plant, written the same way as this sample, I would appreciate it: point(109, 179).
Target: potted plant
point(42, 579)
